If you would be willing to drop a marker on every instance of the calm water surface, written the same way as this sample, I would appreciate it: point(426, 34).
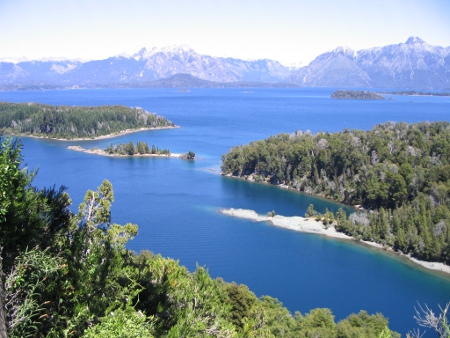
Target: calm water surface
point(175, 202)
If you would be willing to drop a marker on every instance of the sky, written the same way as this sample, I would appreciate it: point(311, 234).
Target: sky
point(293, 32)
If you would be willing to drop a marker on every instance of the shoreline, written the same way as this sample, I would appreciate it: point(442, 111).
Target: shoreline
point(101, 152)
point(102, 137)
point(308, 225)
point(250, 178)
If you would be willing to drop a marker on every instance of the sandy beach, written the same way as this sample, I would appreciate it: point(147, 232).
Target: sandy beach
point(302, 224)
point(101, 152)
point(103, 137)
point(295, 223)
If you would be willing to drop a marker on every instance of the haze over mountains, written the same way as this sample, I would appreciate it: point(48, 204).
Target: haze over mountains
point(413, 64)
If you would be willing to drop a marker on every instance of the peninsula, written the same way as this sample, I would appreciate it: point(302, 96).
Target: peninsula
point(356, 95)
point(76, 122)
point(316, 226)
point(399, 173)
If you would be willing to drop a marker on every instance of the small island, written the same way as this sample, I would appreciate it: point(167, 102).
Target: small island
point(141, 149)
point(356, 95)
point(76, 122)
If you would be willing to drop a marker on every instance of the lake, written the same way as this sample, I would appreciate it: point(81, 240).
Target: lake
point(176, 202)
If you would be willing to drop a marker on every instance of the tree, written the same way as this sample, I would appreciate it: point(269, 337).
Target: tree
point(129, 148)
point(188, 156)
point(126, 323)
point(142, 148)
point(28, 217)
point(27, 286)
point(310, 212)
point(242, 301)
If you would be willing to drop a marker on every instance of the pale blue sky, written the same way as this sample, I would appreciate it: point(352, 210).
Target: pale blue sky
point(290, 31)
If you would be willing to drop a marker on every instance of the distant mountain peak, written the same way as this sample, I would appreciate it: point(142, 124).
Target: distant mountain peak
point(414, 40)
point(146, 53)
point(344, 50)
point(414, 64)
point(177, 49)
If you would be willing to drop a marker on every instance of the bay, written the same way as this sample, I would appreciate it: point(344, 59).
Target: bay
point(176, 202)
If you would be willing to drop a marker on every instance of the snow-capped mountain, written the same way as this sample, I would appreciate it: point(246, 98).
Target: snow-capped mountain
point(165, 62)
point(413, 64)
point(144, 66)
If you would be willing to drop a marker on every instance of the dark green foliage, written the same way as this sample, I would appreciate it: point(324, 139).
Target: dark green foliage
point(141, 148)
point(400, 171)
point(66, 122)
point(362, 325)
point(242, 302)
point(310, 212)
point(126, 322)
point(28, 217)
point(356, 95)
point(188, 156)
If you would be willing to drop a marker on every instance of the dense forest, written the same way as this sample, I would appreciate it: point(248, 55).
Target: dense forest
point(141, 148)
point(399, 173)
point(64, 122)
point(65, 274)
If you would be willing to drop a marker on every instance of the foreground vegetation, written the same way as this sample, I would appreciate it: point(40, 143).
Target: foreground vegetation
point(64, 122)
point(66, 274)
point(399, 172)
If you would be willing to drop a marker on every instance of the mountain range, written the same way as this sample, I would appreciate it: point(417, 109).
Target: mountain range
point(414, 64)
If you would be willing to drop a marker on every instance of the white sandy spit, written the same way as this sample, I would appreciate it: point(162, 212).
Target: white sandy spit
point(303, 224)
point(119, 133)
point(295, 223)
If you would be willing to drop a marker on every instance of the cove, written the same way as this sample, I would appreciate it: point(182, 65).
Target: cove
point(175, 202)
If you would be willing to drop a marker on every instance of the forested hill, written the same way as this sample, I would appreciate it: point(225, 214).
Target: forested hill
point(65, 122)
point(400, 171)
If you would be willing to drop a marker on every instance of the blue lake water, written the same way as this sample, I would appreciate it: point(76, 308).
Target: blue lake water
point(175, 202)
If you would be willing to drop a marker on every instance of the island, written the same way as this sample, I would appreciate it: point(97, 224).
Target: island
point(398, 174)
point(76, 122)
point(141, 149)
point(356, 95)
